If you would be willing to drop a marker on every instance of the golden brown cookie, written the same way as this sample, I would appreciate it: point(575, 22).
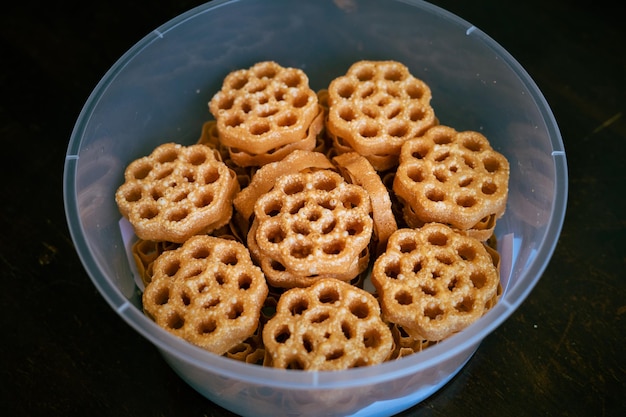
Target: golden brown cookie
point(208, 292)
point(451, 177)
point(330, 325)
point(177, 192)
point(264, 107)
point(434, 281)
point(377, 106)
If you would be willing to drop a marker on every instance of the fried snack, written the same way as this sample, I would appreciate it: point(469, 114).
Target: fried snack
point(313, 224)
point(451, 177)
point(377, 106)
point(308, 143)
point(264, 178)
point(208, 292)
point(434, 281)
point(264, 107)
point(357, 170)
point(330, 325)
point(177, 192)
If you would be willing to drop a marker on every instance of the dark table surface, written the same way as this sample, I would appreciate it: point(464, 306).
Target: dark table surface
point(64, 351)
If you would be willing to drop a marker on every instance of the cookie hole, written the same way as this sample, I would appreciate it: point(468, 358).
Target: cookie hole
point(279, 95)
point(335, 355)
point(352, 200)
point(355, 227)
point(293, 187)
point(167, 155)
point(347, 330)
point(394, 74)
point(296, 206)
point(435, 195)
point(291, 79)
point(360, 310)
point(473, 144)
point(298, 307)
point(414, 91)
point(347, 114)
point(300, 100)
point(433, 312)
point(301, 251)
point(453, 284)
point(417, 267)
point(416, 114)
point(133, 194)
point(282, 334)
point(211, 175)
point(211, 303)
point(334, 247)
point(207, 327)
point(328, 204)
point(259, 128)
point(177, 215)
point(415, 174)
point(170, 268)
point(441, 175)
point(163, 172)
point(233, 121)
point(393, 112)
point(329, 227)
point(246, 107)
point(161, 297)
point(345, 89)
point(256, 87)
point(307, 343)
point(420, 151)
point(328, 296)
point(197, 158)
point(295, 364)
point(185, 299)
point(287, 120)
point(479, 280)
point(370, 111)
point(320, 318)
point(398, 130)
point(443, 138)
point(229, 257)
point(141, 170)
point(435, 274)
point(267, 111)
point(466, 201)
point(465, 182)
point(428, 290)
point(467, 253)
point(325, 184)
point(469, 162)
point(192, 273)
point(404, 298)
point(148, 212)
point(273, 207)
point(437, 239)
point(372, 339)
point(364, 73)
point(266, 70)
point(444, 259)
point(225, 103)
point(489, 188)
point(301, 229)
point(466, 305)
point(368, 131)
point(238, 81)
point(277, 266)
point(244, 281)
point(220, 278)
point(175, 321)
point(491, 165)
point(235, 311)
point(201, 253)
point(392, 270)
point(442, 156)
point(175, 197)
point(313, 215)
point(407, 245)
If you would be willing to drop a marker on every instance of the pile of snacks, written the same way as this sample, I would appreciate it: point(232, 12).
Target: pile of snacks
point(255, 243)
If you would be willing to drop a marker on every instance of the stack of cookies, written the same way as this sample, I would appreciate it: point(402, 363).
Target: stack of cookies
point(255, 242)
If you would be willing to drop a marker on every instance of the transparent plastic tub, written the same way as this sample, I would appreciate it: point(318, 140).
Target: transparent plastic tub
point(158, 91)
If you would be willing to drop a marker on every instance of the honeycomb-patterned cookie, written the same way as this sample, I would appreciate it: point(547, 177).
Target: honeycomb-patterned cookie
point(377, 106)
point(330, 325)
point(264, 107)
point(313, 223)
point(208, 292)
point(434, 281)
point(451, 177)
point(177, 192)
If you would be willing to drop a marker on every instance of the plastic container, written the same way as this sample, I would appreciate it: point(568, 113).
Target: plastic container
point(158, 91)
